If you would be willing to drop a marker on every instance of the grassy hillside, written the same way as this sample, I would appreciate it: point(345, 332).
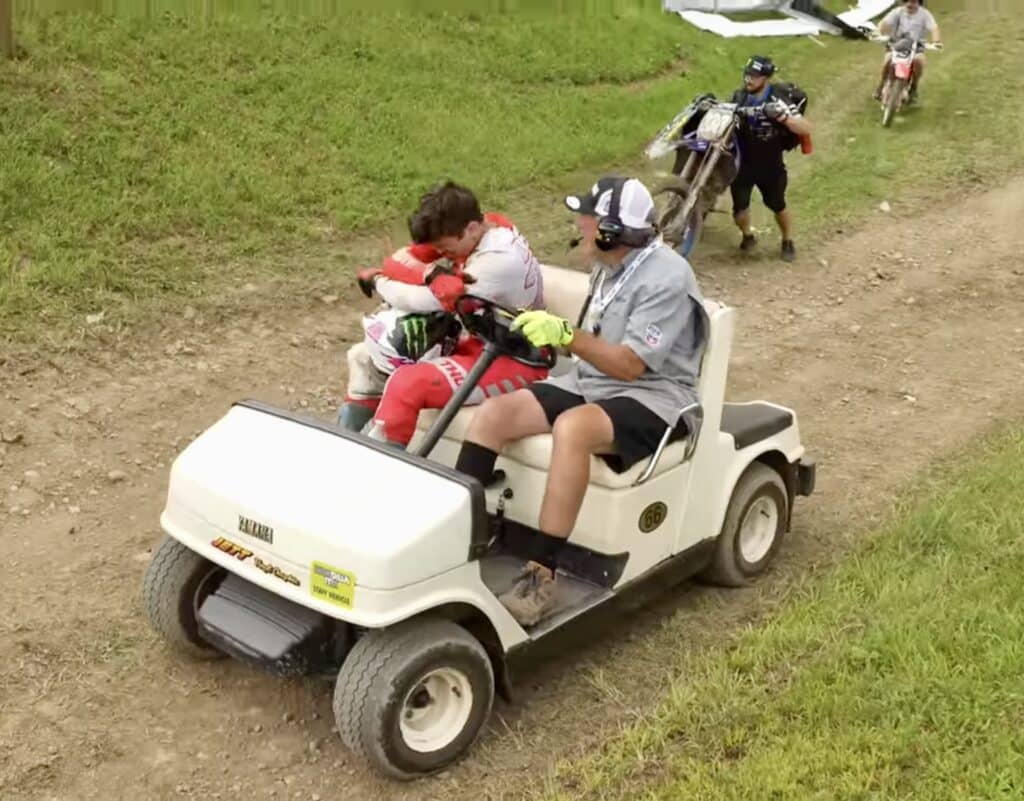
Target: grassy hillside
point(153, 158)
point(897, 678)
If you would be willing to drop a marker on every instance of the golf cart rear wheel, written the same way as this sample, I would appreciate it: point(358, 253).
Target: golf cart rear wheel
point(177, 581)
point(753, 529)
point(411, 699)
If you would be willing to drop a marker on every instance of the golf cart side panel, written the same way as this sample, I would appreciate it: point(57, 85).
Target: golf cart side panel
point(721, 469)
point(300, 494)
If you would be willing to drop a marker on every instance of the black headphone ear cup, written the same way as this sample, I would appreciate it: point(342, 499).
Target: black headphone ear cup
point(609, 234)
point(610, 228)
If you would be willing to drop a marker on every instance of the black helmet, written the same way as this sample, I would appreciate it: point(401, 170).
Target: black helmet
point(760, 65)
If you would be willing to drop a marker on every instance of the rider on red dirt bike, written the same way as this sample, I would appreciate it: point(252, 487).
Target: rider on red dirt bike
point(913, 22)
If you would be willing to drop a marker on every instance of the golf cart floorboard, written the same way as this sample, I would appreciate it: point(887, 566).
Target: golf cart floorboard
point(573, 595)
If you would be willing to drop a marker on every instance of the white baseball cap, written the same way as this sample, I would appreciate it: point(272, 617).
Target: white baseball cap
point(636, 206)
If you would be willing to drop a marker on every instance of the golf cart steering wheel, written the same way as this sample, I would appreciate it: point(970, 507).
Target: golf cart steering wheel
point(492, 323)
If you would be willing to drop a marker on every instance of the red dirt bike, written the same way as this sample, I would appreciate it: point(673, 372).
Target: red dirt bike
point(896, 90)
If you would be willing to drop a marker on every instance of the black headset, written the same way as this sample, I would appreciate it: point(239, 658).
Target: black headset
point(612, 232)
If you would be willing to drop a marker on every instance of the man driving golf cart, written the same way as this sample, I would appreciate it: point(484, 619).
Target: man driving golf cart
point(389, 390)
point(637, 358)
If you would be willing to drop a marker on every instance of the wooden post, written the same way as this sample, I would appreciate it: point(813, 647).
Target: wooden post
point(7, 28)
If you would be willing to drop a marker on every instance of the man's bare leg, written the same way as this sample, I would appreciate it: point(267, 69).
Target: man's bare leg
point(885, 74)
point(785, 222)
point(578, 434)
point(742, 220)
point(918, 75)
point(506, 418)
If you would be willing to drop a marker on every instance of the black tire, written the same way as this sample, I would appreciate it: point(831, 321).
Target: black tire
point(691, 232)
point(380, 675)
point(892, 106)
point(763, 486)
point(176, 582)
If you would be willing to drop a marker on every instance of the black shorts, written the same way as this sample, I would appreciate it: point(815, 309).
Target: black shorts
point(771, 182)
point(638, 430)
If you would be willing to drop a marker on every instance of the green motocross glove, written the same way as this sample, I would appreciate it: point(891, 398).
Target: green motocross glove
point(543, 329)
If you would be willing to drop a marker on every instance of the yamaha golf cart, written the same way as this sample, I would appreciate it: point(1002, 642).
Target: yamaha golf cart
point(301, 548)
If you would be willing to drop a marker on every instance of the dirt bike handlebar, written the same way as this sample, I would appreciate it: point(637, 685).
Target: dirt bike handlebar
point(888, 40)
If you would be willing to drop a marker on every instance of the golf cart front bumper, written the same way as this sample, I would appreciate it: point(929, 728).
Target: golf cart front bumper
point(271, 633)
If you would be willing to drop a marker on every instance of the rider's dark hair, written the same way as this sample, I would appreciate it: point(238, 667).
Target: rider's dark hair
point(444, 210)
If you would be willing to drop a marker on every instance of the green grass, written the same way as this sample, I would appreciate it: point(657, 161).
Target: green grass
point(898, 677)
point(148, 160)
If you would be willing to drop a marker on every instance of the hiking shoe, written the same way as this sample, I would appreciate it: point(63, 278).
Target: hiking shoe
point(531, 598)
point(749, 240)
point(788, 250)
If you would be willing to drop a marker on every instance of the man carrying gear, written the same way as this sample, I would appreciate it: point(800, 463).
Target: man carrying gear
point(773, 125)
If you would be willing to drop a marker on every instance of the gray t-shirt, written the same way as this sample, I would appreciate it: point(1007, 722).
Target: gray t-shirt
point(916, 25)
point(659, 313)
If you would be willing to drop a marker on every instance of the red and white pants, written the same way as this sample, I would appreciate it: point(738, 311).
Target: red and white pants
point(431, 384)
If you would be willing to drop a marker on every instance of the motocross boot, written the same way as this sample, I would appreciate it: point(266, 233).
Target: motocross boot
point(354, 416)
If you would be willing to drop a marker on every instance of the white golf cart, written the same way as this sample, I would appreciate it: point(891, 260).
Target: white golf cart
point(302, 548)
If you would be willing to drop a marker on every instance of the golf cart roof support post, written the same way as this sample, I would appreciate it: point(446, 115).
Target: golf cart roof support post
point(444, 419)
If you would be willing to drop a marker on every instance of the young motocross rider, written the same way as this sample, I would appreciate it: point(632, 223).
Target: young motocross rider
point(488, 251)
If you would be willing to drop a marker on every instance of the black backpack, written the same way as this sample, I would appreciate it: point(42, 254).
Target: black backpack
point(794, 97)
point(790, 94)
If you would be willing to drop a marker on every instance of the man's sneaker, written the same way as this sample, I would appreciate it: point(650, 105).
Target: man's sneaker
point(749, 240)
point(788, 250)
point(530, 598)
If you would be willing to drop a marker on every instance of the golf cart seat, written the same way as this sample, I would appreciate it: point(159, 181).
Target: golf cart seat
point(565, 292)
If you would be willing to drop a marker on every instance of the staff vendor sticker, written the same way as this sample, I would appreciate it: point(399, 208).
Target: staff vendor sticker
point(330, 584)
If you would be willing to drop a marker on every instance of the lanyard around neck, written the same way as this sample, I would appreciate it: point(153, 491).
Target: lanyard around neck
point(600, 301)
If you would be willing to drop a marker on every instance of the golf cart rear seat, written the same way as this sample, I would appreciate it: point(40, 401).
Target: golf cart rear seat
point(565, 292)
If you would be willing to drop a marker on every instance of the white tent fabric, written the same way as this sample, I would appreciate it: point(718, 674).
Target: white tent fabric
point(723, 26)
point(709, 15)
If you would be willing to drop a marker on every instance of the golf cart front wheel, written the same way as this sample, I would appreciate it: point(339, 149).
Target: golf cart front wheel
point(177, 582)
point(411, 699)
point(753, 529)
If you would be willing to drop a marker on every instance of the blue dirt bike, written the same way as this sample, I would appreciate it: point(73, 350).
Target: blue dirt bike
point(707, 159)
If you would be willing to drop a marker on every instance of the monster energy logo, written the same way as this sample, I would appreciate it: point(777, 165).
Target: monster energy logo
point(415, 335)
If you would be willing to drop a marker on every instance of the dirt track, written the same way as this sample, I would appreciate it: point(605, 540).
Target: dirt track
point(895, 345)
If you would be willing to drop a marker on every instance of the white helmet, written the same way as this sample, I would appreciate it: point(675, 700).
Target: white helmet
point(395, 337)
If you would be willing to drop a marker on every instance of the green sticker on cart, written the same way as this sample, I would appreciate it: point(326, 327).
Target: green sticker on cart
point(330, 584)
